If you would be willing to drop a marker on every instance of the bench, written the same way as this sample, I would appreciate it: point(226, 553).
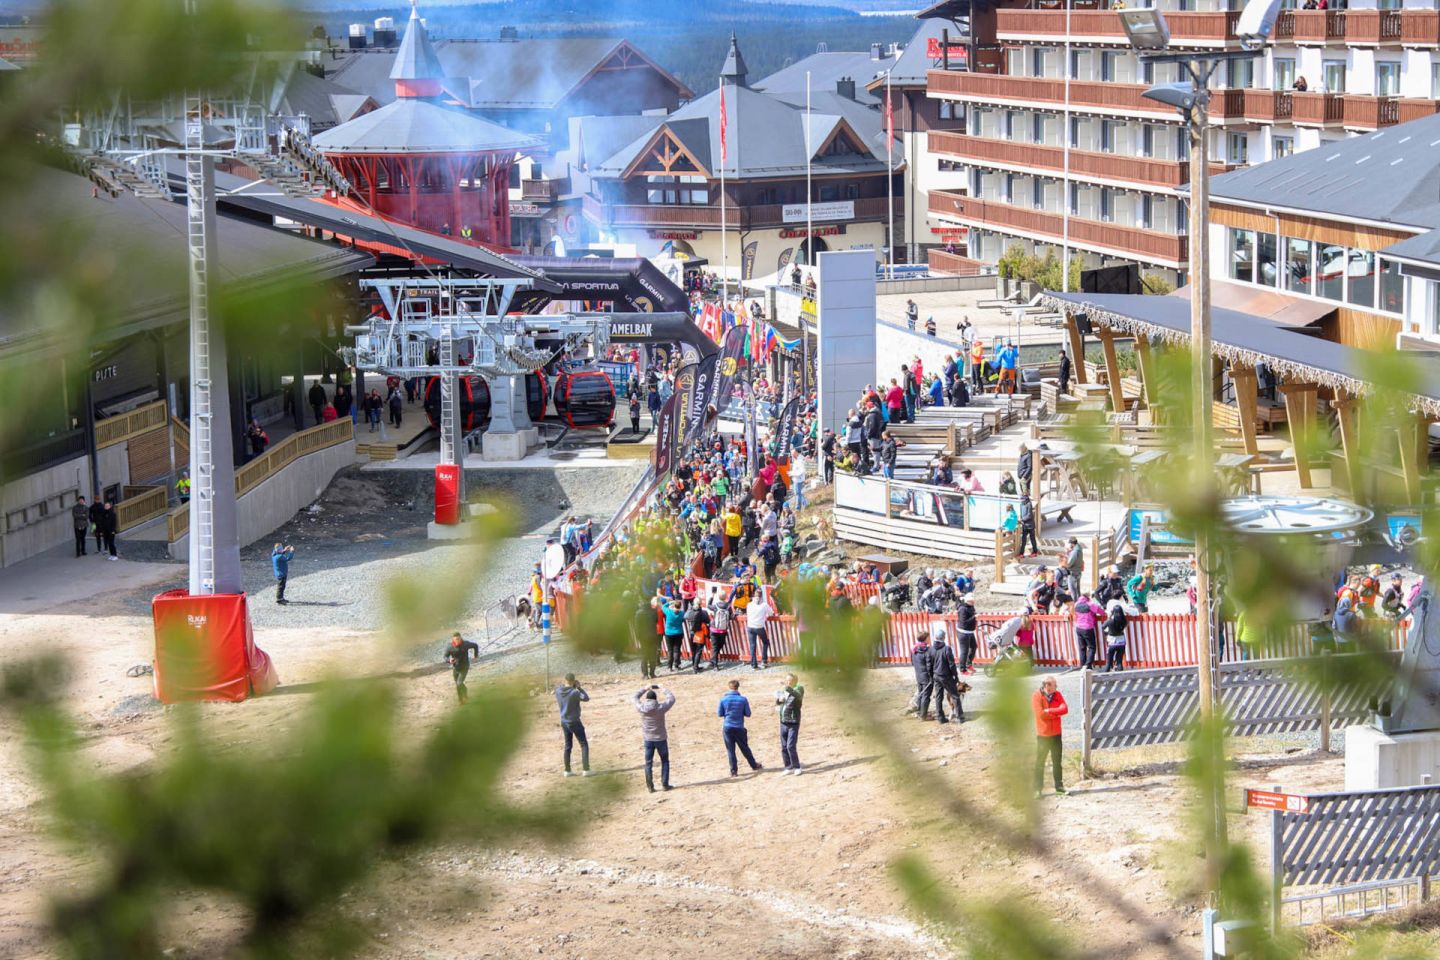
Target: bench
point(1059, 510)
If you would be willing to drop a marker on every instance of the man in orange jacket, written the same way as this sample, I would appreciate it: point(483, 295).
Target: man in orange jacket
point(1049, 707)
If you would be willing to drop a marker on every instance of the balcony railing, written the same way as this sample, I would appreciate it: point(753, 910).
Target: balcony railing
point(1408, 110)
point(1083, 163)
point(540, 189)
point(1267, 105)
point(703, 216)
point(953, 264)
point(1096, 94)
point(1317, 26)
point(1358, 26)
point(1185, 26)
point(1147, 244)
point(1370, 113)
point(1316, 109)
point(1420, 27)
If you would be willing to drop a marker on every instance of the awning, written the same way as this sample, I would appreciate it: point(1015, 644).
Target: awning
point(1245, 338)
point(1281, 308)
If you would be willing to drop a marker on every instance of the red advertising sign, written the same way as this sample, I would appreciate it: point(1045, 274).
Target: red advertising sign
point(935, 50)
point(834, 230)
point(447, 493)
point(1270, 800)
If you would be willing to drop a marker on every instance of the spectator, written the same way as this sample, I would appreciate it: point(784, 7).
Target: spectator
point(733, 710)
point(1115, 625)
point(80, 521)
point(1139, 586)
point(1049, 706)
point(946, 679)
point(569, 695)
point(318, 402)
point(674, 615)
point(1086, 616)
point(912, 314)
point(789, 699)
point(757, 612)
point(109, 526)
point(924, 680)
point(652, 732)
point(280, 557)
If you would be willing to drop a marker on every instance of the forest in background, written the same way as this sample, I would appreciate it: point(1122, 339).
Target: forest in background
point(689, 41)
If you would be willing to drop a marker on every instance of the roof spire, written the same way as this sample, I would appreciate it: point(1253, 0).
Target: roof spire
point(417, 71)
point(734, 69)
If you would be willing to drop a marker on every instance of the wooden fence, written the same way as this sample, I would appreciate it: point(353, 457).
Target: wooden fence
point(139, 505)
point(267, 465)
point(113, 430)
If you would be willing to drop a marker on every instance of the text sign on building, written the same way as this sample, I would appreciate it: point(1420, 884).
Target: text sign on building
point(936, 50)
point(792, 233)
point(1270, 800)
point(524, 208)
point(839, 210)
point(673, 234)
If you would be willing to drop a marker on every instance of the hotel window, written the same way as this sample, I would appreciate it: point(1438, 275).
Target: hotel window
point(1332, 76)
point(1147, 72)
point(1108, 131)
point(1037, 194)
point(1242, 255)
point(665, 190)
point(1110, 65)
point(852, 191)
point(1015, 61)
point(1237, 149)
point(1360, 278)
point(829, 194)
point(949, 110)
point(1389, 4)
point(1387, 78)
point(1435, 80)
point(1107, 204)
point(1284, 146)
point(1392, 288)
point(1433, 289)
point(1284, 73)
point(1298, 269)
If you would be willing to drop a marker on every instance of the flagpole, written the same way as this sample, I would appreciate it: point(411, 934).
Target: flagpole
point(809, 237)
point(890, 177)
point(724, 227)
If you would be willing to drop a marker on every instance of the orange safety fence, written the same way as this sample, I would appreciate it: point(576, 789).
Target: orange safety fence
point(1151, 640)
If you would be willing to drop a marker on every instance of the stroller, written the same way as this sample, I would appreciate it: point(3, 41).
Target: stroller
point(1002, 652)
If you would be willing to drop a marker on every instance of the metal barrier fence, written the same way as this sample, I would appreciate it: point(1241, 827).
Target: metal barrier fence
point(1138, 707)
point(1365, 841)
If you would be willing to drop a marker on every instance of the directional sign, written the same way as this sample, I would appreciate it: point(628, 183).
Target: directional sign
point(1270, 800)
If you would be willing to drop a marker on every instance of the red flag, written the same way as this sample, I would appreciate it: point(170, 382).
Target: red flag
point(889, 125)
point(724, 122)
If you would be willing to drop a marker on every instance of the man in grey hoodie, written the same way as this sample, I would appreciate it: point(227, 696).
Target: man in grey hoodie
point(652, 709)
point(570, 695)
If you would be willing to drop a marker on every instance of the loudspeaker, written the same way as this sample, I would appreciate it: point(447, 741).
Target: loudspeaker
point(1082, 323)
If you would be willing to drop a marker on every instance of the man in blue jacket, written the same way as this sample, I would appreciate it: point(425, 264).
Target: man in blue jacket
point(1009, 359)
point(280, 565)
point(733, 710)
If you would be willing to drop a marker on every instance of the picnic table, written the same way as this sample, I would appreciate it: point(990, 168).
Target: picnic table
point(1234, 472)
point(1135, 481)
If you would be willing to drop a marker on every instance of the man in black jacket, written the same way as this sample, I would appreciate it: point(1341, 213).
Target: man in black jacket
point(946, 678)
point(317, 400)
point(80, 519)
point(1027, 525)
point(109, 526)
point(965, 626)
point(827, 448)
point(97, 514)
point(457, 653)
point(874, 427)
point(1064, 371)
point(920, 660)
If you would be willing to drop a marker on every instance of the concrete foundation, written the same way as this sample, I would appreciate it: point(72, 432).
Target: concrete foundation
point(505, 446)
point(1376, 761)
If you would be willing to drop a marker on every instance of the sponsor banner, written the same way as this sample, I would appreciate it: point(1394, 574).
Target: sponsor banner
point(956, 53)
point(697, 406)
point(787, 428)
point(800, 212)
point(732, 352)
point(747, 259)
point(665, 433)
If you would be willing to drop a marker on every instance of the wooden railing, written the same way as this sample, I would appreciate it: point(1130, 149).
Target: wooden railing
point(1316, 108)
point(180, 437)
point(1408, 109)
point(267, 465)
point(1096, 94)
point(1184, 25)
point(1420, 27)
point(953, 264)
point(1316, 26)
point(1370, 113)
point(113, 430)
point(1267, 104)
point(1150, 244)
point(140, 504)
point(1090, 163)
point(1356, 26)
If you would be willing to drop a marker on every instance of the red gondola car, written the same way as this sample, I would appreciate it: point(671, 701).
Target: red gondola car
point(536, 395)
point(474, 402)
point(585, 399)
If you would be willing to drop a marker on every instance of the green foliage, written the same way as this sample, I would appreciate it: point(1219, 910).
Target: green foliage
point(1155, 284)
point(1047, 271)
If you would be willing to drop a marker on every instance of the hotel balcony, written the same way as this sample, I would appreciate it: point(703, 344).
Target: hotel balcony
point(1084, 164)
point(1362, 27)
point(1191, 29)
point(1111, 239)
point(1092, 95)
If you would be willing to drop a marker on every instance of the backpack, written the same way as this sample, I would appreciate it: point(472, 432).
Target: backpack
point(708, 549)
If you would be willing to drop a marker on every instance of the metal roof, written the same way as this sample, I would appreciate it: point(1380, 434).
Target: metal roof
point(915, 61)
point(826, 70)
point(136, 249)
point(410, 125)
point(416, 59)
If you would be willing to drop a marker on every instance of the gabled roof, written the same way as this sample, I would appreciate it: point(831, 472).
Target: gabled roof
point(766, 135)
point(691, 136)
point(1389, 177)
point(410, 125)
point(536, 73)
point(297, 91)
point(416, 59)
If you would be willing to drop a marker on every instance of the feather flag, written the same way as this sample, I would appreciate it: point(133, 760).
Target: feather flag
point(724, 123)
point(889, 121)
point(770, 340)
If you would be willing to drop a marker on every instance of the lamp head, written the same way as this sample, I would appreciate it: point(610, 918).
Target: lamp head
point(1145, 28)
point(1181, 96)
point(1257, 21)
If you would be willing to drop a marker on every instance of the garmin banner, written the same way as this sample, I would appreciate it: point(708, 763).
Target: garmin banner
point(787, 428)
point(685, 391)
point(731, 353)
point(698, 402)
point(665, 433)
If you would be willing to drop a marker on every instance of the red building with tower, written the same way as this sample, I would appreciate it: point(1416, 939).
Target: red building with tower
point(422, 162)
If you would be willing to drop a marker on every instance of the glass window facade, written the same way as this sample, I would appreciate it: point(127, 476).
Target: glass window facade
point(1327, 270)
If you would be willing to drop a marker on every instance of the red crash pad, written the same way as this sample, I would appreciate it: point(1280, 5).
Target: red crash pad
point(204, 649)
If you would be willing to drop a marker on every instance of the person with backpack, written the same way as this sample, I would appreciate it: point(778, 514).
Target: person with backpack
point(1086, 616)
point(966, 623)
point(732, 711)
point(1115, 624)
point(1138, 588)
point(789, 699)
point(569, 695)
point(946, 679)
point(720, 617)
point(697, 630)
point(652, 712)
point(911, 386)
point(769, 551)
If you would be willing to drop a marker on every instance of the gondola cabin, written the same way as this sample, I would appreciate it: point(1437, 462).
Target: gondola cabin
point(536, 397)
point(585, 399)
point(474, 402)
